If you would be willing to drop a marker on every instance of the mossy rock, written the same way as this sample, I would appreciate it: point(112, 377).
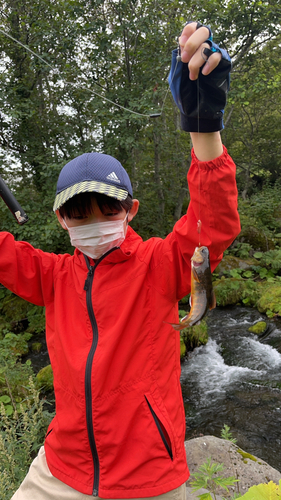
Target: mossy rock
point(195, 336)
point(246, 456)
point(45, 378)
point(230, 291)
point(270, 301)
point(230, 262)
point(258, 328)
point(256, 238)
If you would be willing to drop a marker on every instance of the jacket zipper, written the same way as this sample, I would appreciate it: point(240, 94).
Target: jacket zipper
point(88, 372)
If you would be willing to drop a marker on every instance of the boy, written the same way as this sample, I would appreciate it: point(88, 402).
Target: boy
point(119, 427)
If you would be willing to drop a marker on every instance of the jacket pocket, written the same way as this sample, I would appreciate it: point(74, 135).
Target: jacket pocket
point(48, 432)
point(161, 429)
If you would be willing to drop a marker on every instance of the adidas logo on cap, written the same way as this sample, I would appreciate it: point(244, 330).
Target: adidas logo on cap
point(113, 177)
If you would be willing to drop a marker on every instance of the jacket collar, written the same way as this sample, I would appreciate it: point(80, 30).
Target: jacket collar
point(126, 250)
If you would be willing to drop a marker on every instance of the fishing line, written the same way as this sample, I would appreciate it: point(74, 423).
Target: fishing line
point(199, 223)
point(151, 115)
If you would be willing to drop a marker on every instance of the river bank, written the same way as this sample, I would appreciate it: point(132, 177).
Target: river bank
point(250, 470)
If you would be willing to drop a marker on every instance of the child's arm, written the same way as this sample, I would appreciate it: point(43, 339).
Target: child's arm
point(211, 177)
point(207, 147)
point(26, 271)
point(200, 72)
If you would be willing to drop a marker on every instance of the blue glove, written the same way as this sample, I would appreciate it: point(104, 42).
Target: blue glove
point(213, 90)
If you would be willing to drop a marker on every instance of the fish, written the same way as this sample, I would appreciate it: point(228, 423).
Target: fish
point(202, 295)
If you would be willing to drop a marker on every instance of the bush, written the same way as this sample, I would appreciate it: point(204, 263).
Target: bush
point(21, 435)
point(14, 375)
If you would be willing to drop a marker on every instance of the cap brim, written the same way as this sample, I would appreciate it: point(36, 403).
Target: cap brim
point(89, 186)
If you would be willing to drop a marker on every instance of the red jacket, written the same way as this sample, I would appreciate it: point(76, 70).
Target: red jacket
point(119, 428)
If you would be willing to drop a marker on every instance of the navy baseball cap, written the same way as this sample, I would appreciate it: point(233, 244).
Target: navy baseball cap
point(92, 172)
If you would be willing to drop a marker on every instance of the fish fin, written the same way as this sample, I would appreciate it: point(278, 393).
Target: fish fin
point(177, 326)
point(195, 275)
point(213, 301)
point(190, 300)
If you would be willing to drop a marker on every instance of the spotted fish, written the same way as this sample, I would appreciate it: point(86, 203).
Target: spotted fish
point(202, 293)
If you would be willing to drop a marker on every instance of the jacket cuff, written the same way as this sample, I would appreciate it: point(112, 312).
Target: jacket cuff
point(205, 126)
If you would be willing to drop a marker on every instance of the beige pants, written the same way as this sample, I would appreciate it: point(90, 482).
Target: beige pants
point(40, 484)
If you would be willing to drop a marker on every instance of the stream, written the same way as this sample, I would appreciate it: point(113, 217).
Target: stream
point(235, 379)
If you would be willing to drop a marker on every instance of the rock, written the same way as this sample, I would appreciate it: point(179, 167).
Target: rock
point(229, 262)
point(45, 378)
point(256, 238)
point(270, 301)
point(250, 470)
point(195, 336)
point(258, 328)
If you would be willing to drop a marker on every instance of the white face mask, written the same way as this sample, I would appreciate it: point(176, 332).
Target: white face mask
point(96, 239)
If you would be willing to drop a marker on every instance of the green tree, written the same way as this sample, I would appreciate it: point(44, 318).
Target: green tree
point(103, 56)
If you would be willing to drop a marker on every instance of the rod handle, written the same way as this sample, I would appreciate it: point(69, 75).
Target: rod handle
point(11, 202)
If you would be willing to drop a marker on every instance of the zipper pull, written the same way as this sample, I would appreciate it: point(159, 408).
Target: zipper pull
point(89, 275)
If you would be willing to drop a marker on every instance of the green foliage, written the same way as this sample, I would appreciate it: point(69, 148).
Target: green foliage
point(241, 250)
point(264, 295)
point(262, 209)
point(230, 291)
point(21, 435)
point(14, 375)
point(18, 315)
point(255, 283)
point(53, 112)
point(272, 260)
point(36, 319)
point(207, 477)
point(269, 491)
point(6, 400)
point(226, 434)
point(14, 344)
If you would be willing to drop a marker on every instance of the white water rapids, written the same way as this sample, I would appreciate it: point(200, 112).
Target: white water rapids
point(235, 379)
